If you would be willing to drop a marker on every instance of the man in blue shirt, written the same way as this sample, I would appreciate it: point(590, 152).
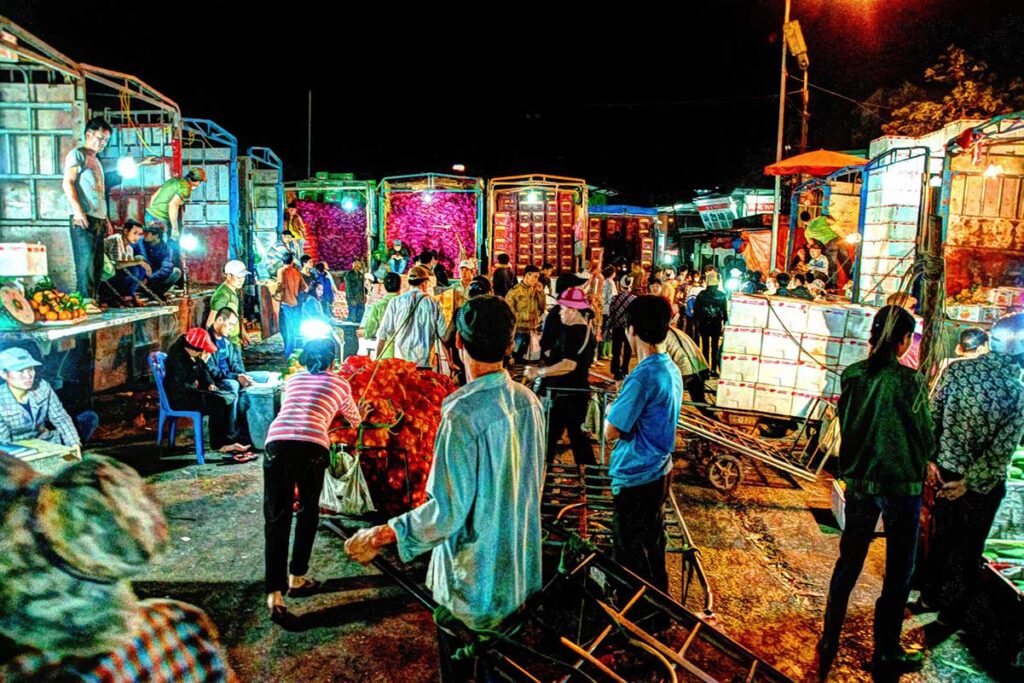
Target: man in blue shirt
point(643, 421)
point(482, 520)
point(158, 255)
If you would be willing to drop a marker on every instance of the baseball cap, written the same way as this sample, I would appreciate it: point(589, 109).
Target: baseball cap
point(15, 359)
point(418, 274)
point(236, 268)
point(468, 263)
point(199, 339)
point(574, 297)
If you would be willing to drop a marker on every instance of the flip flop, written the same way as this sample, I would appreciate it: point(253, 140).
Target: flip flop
point(248, 456)
point(309, 587)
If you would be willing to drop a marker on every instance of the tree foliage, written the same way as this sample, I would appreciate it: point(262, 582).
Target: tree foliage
point(958, 86)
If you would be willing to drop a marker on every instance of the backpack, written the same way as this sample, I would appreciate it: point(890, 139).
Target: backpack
point(712, 309)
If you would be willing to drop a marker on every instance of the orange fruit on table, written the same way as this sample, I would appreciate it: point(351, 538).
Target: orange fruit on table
point(37, 297)
point(44, 309)
point(64, 315)
point(52, 315)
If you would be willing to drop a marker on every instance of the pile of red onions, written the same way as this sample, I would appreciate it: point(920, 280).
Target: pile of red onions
point(436, 220)
point(333, 234)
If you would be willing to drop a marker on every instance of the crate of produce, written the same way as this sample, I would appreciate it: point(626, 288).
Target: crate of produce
point(773, 400)
point(807, 405)
point(780, 345)
point(741, 340)
point(778, 373)
point(739, 367)
point(858, 322)
point(787, 315)
point(825, 350)
point(854, 351)
point(748, 311)
point(812, 378)
point(826, 320)
point(735, 395)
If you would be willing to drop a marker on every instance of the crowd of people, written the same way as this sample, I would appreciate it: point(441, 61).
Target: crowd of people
point(660, 332)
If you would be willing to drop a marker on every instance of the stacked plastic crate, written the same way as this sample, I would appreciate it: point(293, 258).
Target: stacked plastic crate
point(781, 355)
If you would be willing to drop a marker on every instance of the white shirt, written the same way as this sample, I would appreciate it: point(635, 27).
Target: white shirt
point(415, 336)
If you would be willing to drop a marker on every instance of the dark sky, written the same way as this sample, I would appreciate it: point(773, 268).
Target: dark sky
point(653, 103)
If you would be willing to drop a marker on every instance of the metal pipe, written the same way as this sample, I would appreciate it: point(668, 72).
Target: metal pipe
point(774, 252)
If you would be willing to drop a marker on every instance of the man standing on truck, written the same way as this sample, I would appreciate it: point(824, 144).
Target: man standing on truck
point(85, 189)
point(167, 204)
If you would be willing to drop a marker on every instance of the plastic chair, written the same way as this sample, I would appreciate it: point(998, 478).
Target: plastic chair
point(156, 366)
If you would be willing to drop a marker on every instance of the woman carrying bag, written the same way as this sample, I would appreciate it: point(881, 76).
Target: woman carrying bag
point(570, 370)
point(297, 454)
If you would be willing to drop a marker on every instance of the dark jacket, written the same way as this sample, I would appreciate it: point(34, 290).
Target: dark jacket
point(551, 332)
point(710, 310)
point(158, 256)
point(233, 353)
point(887, 430)
point(184, 374)
point(801, 293)
point(503, 280)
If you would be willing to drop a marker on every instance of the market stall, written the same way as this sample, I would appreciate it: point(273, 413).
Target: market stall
point(837, 194)
point(434, 211)
point(339, 215)
point(537, 219)
point(626, 234)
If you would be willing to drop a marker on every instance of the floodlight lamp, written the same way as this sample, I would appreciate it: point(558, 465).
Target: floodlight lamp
point(188, 242)
point(314, 328)
point(127, 168)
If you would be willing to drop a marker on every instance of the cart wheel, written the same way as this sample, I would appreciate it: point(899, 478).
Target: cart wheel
point(725, 472)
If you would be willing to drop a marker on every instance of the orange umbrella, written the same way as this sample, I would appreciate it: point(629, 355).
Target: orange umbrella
point(818, 163)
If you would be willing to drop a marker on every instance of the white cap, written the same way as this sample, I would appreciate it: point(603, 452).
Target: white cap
point(236, 268)
point(468, 263)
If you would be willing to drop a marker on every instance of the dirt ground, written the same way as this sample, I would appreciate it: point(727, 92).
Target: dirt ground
point(768, 550)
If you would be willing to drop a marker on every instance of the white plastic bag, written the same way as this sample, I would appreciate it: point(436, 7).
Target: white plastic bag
point(345, 490)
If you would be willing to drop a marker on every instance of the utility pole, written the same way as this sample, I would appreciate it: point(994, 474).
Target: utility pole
point(806, 116)
point(309, 138)
point(774, 252)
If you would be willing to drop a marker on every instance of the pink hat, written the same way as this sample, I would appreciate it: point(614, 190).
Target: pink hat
point(574, 297)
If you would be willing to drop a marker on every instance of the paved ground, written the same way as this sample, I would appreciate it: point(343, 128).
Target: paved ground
point(768, 549)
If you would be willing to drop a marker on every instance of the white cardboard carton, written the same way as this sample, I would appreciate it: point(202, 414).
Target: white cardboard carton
point(777, 344)
point(741, 340)
point(822, 349)
point(811, 378)
point(806, 404)
point(775, 400)
point(778, 373)
point(736, 395)
point(739, 368)
point(748, 311)
point(854, 350)
point(826, 320)
point(788, 314)
point(858, 322)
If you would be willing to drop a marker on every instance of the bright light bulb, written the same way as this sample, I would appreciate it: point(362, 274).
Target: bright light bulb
point(314, 328)
point(459, 168)
point(993, 170)
point(127, 168)
point(428, 197)
point(532, 197)
point(348, 205)
point(735, 272)
point(732, 284)
point(188, 242)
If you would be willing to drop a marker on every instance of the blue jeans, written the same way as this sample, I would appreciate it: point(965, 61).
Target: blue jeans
point(126, 280)
point(522, 345)
point(397, 265)
point(901, 516)
point(355, 312)
point(161, 285)
point(87, 249)
point(291, 316)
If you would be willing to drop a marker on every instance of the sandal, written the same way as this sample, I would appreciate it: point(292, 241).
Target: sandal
point(246, 456)
point(309, 587)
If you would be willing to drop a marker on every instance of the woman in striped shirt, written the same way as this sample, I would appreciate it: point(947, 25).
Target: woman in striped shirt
point(297, 453)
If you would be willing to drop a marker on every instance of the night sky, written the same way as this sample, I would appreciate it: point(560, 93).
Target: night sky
point(653, 104)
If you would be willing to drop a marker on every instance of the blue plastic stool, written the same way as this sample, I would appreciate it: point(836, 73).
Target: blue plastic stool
point(156, 366)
